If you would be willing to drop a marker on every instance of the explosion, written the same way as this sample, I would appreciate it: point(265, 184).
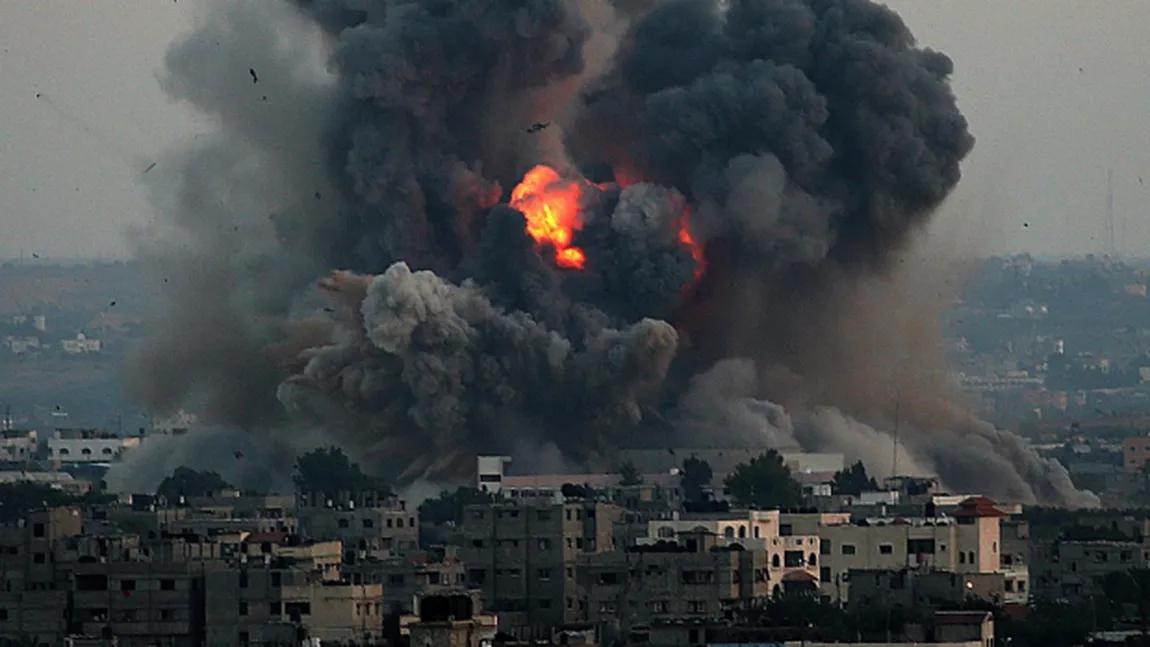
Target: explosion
point(801, 143)
point(552, 208)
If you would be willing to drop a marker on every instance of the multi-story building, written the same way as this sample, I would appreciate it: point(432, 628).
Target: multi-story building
point(1014, 561)
point(967, 542)
point(88, 445)
point(522, 556)
point(793, 558)
point(367, 523)
point(1135, 453)
point(17, 444)
point(405, 579)
point(697, 575)
point(910, 588)
point(1071, 569)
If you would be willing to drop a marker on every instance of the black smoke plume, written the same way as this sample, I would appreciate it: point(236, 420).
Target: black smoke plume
point(758, 166)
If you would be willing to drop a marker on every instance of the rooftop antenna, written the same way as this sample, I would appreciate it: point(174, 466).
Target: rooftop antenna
point(1111, 245)
point(894, 438)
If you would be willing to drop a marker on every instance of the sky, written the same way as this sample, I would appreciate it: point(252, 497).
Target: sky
point(1056, 91)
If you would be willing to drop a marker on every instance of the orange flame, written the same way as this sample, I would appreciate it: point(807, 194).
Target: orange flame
point(694, 247)
point(551, 206)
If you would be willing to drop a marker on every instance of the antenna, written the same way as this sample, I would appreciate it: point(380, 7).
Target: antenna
point(1111, 245)
point(894, 437)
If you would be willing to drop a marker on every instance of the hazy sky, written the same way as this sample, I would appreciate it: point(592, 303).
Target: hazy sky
point(1056, 92)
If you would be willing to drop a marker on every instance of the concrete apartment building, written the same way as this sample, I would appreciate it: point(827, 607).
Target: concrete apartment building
point(1070, 569)
point(372, 524)
point(88, 445)
point(696, 575)
point(405, 579)
point(1135, 453)
point(791, 558)
point(522, 556)
point(966, 542)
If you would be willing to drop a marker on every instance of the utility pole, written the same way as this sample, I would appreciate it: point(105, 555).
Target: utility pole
point(1111, 244)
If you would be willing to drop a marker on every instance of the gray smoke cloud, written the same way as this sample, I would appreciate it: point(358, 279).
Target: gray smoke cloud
point(743, 172)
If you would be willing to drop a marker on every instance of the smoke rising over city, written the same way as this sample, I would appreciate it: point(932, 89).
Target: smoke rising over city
point(435, 228)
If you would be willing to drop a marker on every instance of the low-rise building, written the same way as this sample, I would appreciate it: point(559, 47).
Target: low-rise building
point(88, 445)
point(368, 524)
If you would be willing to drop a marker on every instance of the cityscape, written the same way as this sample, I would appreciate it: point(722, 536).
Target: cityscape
point(602, 323)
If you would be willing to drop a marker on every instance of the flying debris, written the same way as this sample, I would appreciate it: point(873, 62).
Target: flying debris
point(255, 78)
point(702, 260)
point(150, 167)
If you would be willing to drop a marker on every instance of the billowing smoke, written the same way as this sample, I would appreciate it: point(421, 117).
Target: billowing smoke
point(725, 187)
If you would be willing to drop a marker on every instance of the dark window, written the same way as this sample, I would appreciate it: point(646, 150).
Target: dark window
point(848, 549)
point(824, 547)
point(368, 523)
point(885, 549)
point(277, 578)
point(243, 579)
point(39, 558)
point(399, 522)
point(243, 608)
point(37, 530)
point(244, 638)
point(476, 576)
point(920, 547)
point(543, 515)
point(275, 608)
point(298, 608)
point(167, 614)
point(825, 573)
point(343, 523)
point(395, 579)
point(167, 585)
point(609, 579)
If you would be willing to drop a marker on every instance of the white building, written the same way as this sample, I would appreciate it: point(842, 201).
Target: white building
point(16, 444)
point(88, 445)
point(80, 345)
point(21, 345)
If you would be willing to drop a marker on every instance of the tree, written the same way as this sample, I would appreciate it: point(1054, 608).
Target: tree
point(449, 505)
point(854, 480)
point(629, 475)
point(765, 482)
point(696, 477)
point(328, 471)
point(189, 482)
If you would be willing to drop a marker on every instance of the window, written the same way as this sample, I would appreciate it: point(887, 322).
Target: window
point(107, 451)
point(885, 549)
point(824, 547)
point(697, 606)
point(543, 515)
point(825, 573)
point(275, 609)
point(399, 522)
point(1022, 586)
point(729, 532)
point(477, 576)
point(167, 614)
point(86, 451)
point(295, 609)
point(793, 558)
point(243, 608)
point(37, 530)
point(544, 603)
point(343, 523)
point(277, 578)
point(568, 514)
point(3, 614)
point(167, 585)
point(775, 560)
point(368, 523)
point(243, 579)
point(244, 638)
point(39, 558)
point(477, 543)
point(544, 544)
point(847, 549)
point(395, 579)
point(611, 578)
point(920, 547)
point(544, 574)
point(1008, 586)
point(970, 557)
point(659, 606)
point(961, 557)
point(812, 560)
